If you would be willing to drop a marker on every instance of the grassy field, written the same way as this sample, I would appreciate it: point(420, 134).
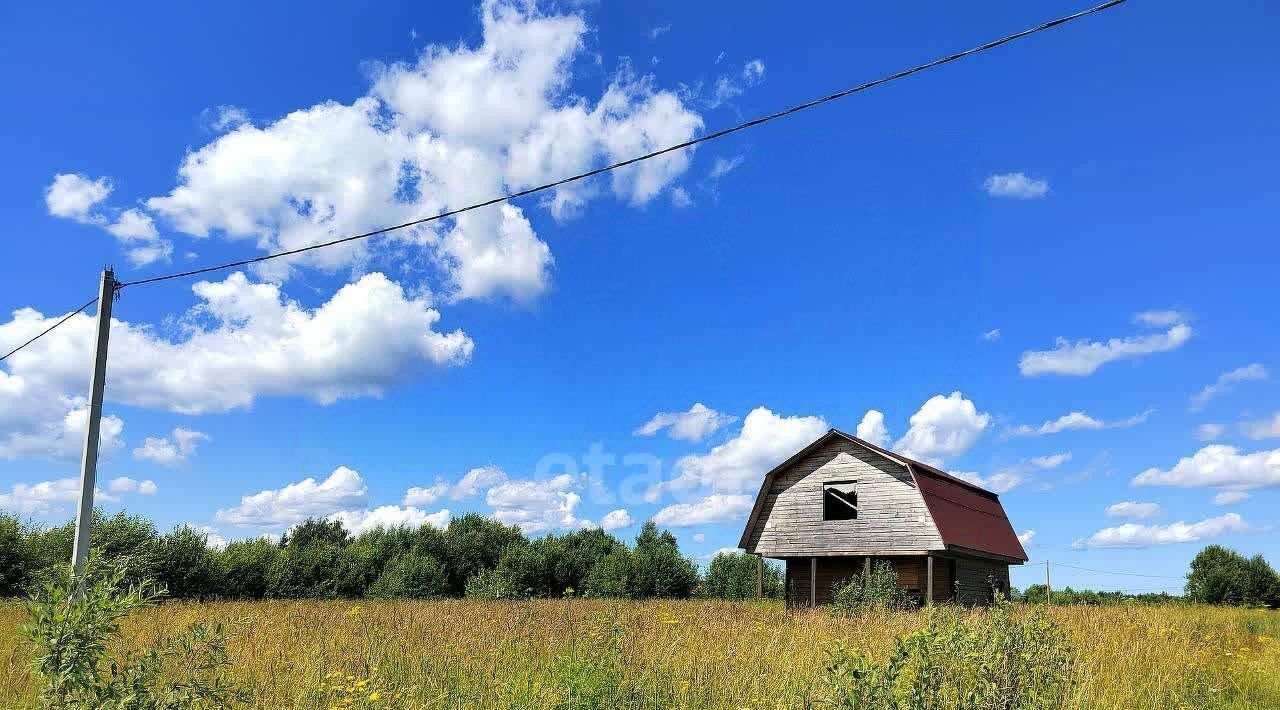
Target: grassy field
point(686, 654)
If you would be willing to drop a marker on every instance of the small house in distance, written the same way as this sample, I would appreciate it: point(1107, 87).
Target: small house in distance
point(841, 504)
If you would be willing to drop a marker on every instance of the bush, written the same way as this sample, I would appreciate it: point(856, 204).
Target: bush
point(610, 576)
point(185, 565)
point(733, 575)
point(73, 622)
point(412, 575)
point(491, 584)
point(244, 568)
point(993, 659)
point(306, 572)
point(15, 558)
point(876, 590)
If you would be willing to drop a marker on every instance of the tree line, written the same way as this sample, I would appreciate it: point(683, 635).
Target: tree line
point(474, 556)
point(1217, 575)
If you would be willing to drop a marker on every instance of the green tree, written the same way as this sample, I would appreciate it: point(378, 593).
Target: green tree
point(474, 543)
point(1222, 576)
point(368, 555)
point(658, 569)
point(313, 530)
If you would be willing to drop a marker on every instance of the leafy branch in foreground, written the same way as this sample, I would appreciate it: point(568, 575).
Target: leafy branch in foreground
point(72, 621)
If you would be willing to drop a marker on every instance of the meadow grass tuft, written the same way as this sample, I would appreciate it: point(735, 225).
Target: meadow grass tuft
point(579, 654)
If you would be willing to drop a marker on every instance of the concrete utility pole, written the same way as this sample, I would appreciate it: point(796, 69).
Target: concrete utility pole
point(1048, 590)
point(89, 464)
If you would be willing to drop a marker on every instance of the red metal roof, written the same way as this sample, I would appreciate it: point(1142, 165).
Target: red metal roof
point(967, 518)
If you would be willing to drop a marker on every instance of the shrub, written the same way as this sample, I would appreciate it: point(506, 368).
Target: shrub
point(72, 623)
point(308, 571)
point(733, 575)
point(15, 558)
point(244, 567)
point(412, 575)
point(876, 590)
point(610, 576)
point(992, 659)
point(185, 565)
point(491, 584)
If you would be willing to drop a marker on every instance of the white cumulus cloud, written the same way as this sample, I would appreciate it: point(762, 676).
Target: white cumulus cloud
point(457, 125)
point(943, 427)
point(124, 484)
point(241, 341)
point(1230, 497)
point(74, 196)
point(1218, 465)
point(872, 428)
point(61, 495)
point(1084, 357)
point(168, 451)
point(389, 516)
point(1262, 428)
point(537, 506)
point(77, 197)
point(343, 489)
point(39, 424)
point(765, 440)
point(694, 425)
point(1210, 431)
point(616, 519)
point(1134, 535)
point(715, 508)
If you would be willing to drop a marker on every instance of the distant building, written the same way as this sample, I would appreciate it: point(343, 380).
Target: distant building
point(840, 504)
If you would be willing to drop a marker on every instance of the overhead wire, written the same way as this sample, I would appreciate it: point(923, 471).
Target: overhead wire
point(1125, 574)
point(617, 165)
point(45, 332)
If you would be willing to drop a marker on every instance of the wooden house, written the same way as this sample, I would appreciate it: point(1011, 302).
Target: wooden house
point(841, 504)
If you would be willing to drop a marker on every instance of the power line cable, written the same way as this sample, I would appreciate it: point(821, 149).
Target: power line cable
point(1125, 574)
point(669, 149)
point(45, 332)
point(613, 166)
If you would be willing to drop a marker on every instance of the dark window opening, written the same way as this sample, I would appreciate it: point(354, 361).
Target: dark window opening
point(839, 500)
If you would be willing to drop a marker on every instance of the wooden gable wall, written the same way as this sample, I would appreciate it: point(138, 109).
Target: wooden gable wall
point(892, 516)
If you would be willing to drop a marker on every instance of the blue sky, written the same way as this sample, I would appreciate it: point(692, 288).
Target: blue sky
point(1109, 184)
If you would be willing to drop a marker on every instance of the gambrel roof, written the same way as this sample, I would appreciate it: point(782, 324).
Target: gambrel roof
point(969, 518)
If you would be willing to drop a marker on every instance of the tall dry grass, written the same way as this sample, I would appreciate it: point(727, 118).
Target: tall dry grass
point(581, 654)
